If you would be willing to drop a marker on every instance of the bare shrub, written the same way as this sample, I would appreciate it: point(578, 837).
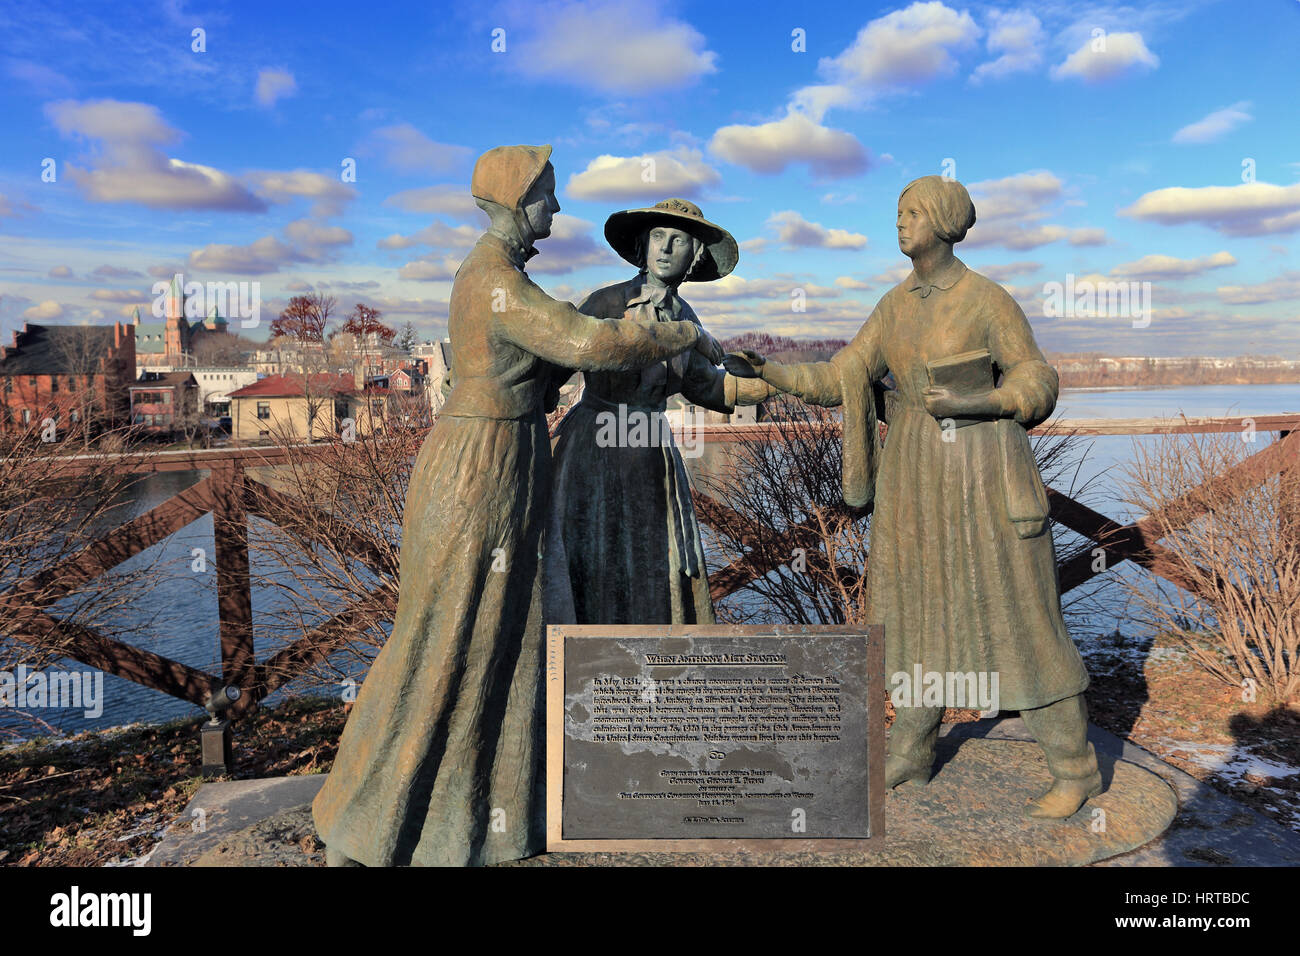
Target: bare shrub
point(797, 553)
point(59, 575)
point(326, 555)
point(1232, 534)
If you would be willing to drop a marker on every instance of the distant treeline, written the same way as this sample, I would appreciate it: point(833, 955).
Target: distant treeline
point(1091, 370)
point(1077, 369)
point(782, 348)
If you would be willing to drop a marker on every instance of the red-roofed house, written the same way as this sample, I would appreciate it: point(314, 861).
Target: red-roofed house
point(297, 406)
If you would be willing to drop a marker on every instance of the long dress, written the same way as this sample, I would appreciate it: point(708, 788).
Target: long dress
point(623, 518)
point(957, 586)
point(441, 761)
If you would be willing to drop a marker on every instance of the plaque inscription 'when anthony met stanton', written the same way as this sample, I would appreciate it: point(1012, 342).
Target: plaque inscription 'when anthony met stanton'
point(729, 733)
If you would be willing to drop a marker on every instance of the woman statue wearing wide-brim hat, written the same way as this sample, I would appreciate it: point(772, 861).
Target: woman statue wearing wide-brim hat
point(623, 519)
point(441, 761)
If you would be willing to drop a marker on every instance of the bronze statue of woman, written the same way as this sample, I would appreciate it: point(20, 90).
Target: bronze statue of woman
point(962, 569)
point(623, 519)
point(441, 761)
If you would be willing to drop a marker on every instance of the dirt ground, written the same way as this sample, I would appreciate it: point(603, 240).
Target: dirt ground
point(105, 799)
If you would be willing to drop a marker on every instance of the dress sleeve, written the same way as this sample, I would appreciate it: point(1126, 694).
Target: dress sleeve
point(705, 384)
point(1029, 385)
point(821, 383)
point(557, 332)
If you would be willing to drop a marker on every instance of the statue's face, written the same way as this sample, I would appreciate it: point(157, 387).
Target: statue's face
point(668, 253)
point(916, 233)
point(540, 205)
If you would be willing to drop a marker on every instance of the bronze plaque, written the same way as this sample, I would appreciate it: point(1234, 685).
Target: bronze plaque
point(714, 737)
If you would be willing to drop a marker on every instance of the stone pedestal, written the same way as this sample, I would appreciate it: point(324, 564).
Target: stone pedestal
point(970, 814)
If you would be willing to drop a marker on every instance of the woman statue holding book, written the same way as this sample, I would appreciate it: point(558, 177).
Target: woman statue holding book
point(962, 568)
point(441, 761)
point(623, 520)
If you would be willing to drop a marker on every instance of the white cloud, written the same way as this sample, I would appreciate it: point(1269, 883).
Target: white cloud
point(309, 232)
point(1215, 125)
point(610, 46)
point(49, 309)
point(1107, 57)
point(732, 287)
point(114, 272)
point(1010, 212)
point(570, 246)
point(795, 231)
point(396, 241)
point(1017, 37)
point(258, 258)
point(430, 268)
point(1020, 196)
point(1283, 288)
point(677, 172)
point(130, 165)
point(118, 295)
point(439, 235)
point(274, 84)
point(771, 147)
point(406, 149)
point(329, 195)
point(902, 48)
point(1088, 236)
point(12, 208)
point(1171, 267)
point(446, 200)
point(60, 272)
point(1247, 209)
point(1009, 270)
point(849, 282)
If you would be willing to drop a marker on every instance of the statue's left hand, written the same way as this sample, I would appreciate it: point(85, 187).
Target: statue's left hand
point(945, 403)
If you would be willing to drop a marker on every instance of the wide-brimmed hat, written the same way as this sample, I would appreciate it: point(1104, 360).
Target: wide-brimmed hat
point(624, 228)
point(505, 174)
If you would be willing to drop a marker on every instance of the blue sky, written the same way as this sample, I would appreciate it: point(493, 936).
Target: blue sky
point(1155, 143)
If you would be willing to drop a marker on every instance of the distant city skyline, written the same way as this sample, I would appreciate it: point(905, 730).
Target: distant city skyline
point(330, 148)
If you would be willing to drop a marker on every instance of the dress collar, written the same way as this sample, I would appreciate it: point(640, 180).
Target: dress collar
point(945, 280)
point(658, 296)
point(513, 248)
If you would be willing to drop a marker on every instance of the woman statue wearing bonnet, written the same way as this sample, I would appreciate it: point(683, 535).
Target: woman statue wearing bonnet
point(962, 568)
point(441, 761)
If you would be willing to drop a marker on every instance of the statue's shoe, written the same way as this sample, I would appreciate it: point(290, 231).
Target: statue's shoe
point(1064, 798)
point(898, 770)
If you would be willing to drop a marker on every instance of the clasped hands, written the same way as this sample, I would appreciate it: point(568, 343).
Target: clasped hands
point(939, 401)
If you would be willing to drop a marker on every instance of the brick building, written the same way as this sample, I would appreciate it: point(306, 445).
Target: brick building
point(161, 345)
point(165, 403)
point(71, 373)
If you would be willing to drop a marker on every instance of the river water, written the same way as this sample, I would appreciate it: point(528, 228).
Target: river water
point(178, 613)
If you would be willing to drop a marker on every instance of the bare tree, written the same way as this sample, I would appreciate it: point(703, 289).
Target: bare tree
point(223, 351)
point(305, 322)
